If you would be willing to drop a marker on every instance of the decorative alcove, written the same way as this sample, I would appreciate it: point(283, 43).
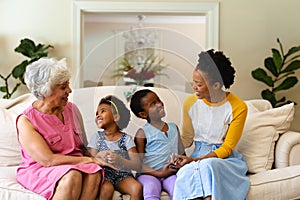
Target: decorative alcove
point(99, 36)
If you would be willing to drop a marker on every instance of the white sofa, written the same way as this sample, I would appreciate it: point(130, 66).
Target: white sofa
point(271, 150)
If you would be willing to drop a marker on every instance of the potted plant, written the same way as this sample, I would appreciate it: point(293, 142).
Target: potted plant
point(34, 52)
point(279, 74)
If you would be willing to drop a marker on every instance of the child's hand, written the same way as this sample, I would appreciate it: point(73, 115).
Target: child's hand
point(112, 158)
point(102, 154)
point(100, 161)
point(172, 159)
point(181, 160)
point(173, 162)
point(168, 170)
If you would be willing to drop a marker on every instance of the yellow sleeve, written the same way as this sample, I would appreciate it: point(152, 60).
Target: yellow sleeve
point(187, 133)
point(235, 130)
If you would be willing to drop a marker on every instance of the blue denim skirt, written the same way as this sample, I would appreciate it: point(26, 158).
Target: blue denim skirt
point(216, 177)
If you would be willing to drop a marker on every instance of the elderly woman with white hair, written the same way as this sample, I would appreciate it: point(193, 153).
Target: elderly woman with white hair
point(54, 161)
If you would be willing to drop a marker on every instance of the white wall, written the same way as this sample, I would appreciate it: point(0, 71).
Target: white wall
point(248, 31)
point(43, 21)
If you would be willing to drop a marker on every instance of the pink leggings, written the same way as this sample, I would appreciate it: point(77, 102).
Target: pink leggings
point(152, 186)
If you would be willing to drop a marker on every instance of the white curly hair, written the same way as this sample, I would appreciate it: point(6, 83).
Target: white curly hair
point(43, 74)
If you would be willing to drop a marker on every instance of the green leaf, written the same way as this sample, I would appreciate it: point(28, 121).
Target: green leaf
point(270, 96)
point(286, 84)
point(19, 70)
point(261, 75)
point(3, 89)
point(292, 51)
point(26, 47)
point(270, 65)
point(281, 100)
point(293, 58)
point(280, 45)
point(292, 66)
point(284, 75)
point(40, 51)
point(277, 59)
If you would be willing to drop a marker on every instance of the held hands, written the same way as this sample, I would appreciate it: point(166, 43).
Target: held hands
point(174, 164)
point(102, 154)
point(113, 158)
point(100, 161)
point(168, 170)
point(179, 160)
point(109, 157)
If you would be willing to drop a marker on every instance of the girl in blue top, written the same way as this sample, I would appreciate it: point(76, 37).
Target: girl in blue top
point(117, 148)
point(156, 141)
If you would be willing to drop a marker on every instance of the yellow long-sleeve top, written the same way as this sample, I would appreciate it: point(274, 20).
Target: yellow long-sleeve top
point(220, 123)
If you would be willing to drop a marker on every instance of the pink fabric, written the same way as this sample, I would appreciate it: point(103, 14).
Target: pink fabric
point(62, 139)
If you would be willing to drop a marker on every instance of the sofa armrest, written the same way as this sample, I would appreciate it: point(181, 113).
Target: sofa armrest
point(279, 184)
point(287, 150)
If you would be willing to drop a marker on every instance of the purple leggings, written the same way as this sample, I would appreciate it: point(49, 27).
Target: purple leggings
point(152, 186)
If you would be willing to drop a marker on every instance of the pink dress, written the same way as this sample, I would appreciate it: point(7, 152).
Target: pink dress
point(62, 138)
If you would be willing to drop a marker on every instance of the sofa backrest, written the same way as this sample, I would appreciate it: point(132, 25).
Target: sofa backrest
point(87, 100)
point(262, 129)
point(9, 146)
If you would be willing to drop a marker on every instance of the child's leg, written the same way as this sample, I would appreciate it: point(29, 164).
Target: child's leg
point(106, 191)
point(132, 187)
point(151, 187)
point(168, 185)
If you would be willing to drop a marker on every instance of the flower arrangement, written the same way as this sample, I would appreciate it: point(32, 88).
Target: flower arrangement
point(145, 71)
point(140, 76)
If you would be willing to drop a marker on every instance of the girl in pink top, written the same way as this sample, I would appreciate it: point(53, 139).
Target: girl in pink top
point(54, 161)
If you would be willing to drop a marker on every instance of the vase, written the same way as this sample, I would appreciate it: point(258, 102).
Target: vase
point(147, 83)
point(140, 82)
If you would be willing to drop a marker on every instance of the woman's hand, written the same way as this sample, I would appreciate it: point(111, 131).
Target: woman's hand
point(102, 154)
point(85, 151)
point(100, 161)
point(110, 158)
point(181, 160)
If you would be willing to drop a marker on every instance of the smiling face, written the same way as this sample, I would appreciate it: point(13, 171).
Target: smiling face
point(59, 95)
point(104, 116)
point(153, 107)
point(200, 85)
point(205, 88)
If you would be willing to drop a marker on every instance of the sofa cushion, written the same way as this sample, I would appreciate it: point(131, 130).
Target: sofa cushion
point(262, 128)
point(9, 110)
point(11, 189)
point(275, 184)
point(10, 151)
